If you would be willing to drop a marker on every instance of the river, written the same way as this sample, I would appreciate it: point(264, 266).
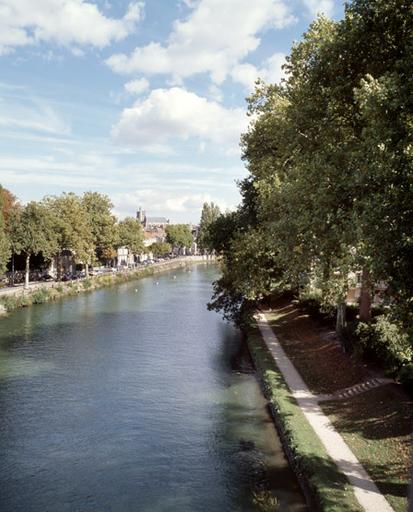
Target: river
point(135, 398)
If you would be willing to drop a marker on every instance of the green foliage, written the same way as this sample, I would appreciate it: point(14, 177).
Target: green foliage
point(73, 226)
point(330, 161)
point(160, 249)
point(179, 235)
point(131, 235)
point(386, 341)
point(4, 239)
point(102, 222)
point(33, 230)
point(210, 213)
point(40, 296)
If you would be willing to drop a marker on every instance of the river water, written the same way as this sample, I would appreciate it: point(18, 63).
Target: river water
point(134, 398)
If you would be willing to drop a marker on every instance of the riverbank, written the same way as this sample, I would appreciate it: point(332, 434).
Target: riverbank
point(39, 293)
point(325, 488)
point(374, 419)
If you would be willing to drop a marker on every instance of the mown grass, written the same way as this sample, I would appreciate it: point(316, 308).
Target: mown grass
point(328, 489)
point(377, 426)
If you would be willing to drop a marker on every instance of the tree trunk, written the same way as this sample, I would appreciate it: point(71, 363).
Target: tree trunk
point(365, 296)
point(12, 269)
point(341, 317)
point(27, 274)
point(87, 269)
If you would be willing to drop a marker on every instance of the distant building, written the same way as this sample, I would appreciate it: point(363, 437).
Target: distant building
point(151, 223)
point(124, 257)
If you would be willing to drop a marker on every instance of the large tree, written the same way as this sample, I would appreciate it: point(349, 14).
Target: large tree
point(103, 224)
point(73, 227)
point(210, 212)
point(179, 235)
point(4, 239)
point(160, 249)
point(131, 235)
point(330, 160)
point(8, 207)
point(33, 231)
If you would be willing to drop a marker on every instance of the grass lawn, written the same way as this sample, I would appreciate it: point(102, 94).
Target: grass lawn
point(377, 425)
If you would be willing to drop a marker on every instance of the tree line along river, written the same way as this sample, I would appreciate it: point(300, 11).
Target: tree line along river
point(135, 398)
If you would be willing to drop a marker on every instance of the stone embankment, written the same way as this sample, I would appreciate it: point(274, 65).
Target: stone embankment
point(14, 297)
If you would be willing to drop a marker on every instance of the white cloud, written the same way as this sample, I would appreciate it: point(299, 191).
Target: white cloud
point(270, 71)
point(215, 37)
point(183, 207)
point(64, 22)
point(37, 117)
point(215, 93)
point(168, 114)
point(319, 7)
point(137, 86)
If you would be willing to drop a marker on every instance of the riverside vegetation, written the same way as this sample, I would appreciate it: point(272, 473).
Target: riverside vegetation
point(85, 225)
point(328, 197)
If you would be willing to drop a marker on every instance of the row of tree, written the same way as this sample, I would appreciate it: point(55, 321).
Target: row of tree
point(329, 152)
point(83, 224)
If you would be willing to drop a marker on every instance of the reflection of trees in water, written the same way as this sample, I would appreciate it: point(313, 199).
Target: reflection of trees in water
point(241, 429)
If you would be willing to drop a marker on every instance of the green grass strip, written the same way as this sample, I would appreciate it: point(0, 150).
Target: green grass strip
point(325, 486)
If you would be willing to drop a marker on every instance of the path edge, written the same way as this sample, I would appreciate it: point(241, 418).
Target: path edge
point(314, 495)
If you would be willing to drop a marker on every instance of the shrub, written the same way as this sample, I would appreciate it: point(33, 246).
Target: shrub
point(39, 296)
point(25, 300)
point(384, 341)
point(10, 302)
point(87, 283)
point(312, 302)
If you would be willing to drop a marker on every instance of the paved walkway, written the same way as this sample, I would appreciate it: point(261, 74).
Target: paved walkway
point(365, 489)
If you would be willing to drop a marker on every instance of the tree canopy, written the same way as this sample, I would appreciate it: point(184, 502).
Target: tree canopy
point(330, 166)
point(210, 213)
point(33, 232)
point(73, 226)
point(103, 224)
point(131, 235)
point(160, 249)
point(179, 235)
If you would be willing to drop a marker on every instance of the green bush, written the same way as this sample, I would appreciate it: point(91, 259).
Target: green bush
point(40, 296)
point(312, 302)
point(25, 301)
point(384, 341)
point(10, 302)
point(87, 283)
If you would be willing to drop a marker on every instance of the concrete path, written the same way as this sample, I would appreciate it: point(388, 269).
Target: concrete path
point(365, 489)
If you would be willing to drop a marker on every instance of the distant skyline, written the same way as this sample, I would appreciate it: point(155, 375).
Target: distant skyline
point(143, 101)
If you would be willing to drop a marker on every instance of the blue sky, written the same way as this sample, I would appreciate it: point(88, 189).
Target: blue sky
point(143, 101)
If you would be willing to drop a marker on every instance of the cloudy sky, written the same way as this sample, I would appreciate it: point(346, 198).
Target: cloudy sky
point(141, 100)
